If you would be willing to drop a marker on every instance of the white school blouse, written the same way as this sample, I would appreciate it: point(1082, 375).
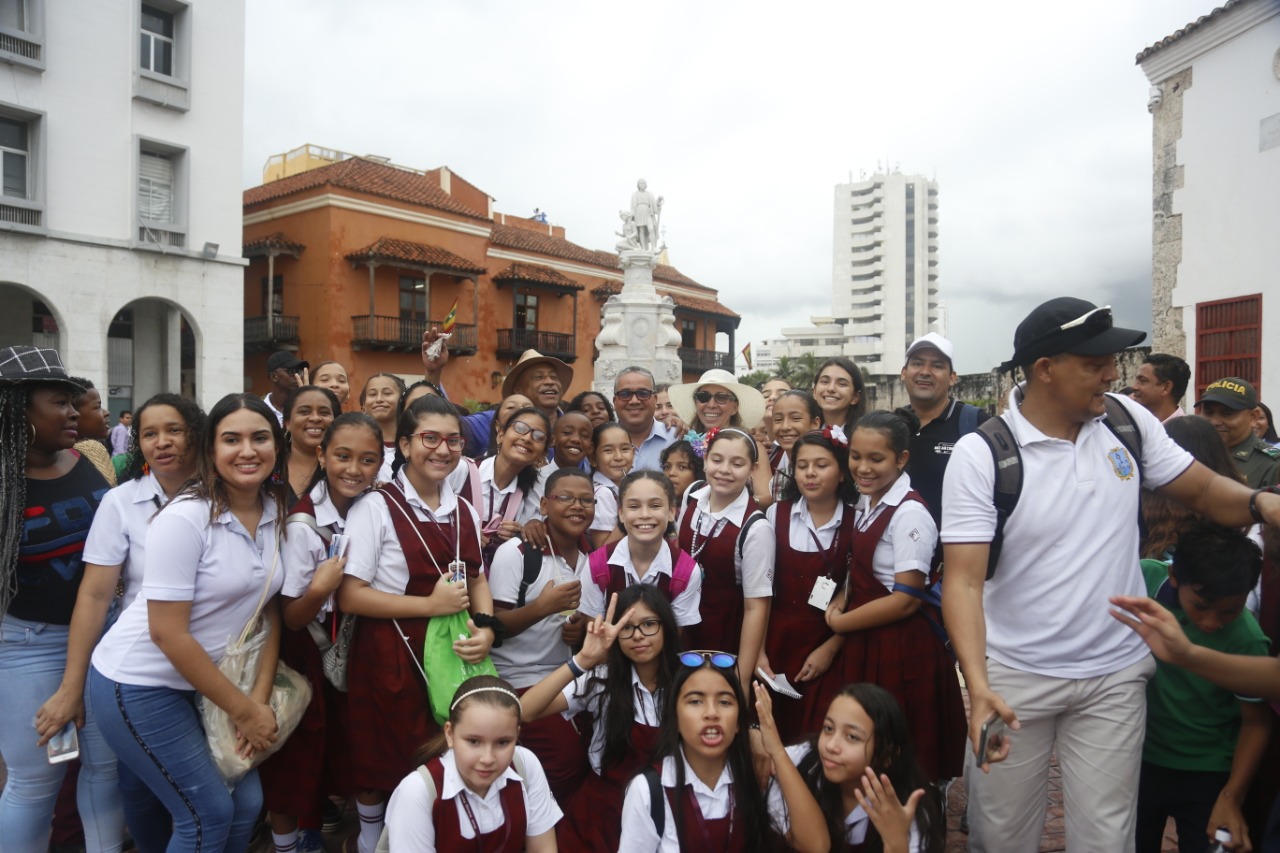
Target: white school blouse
point(409, 826)
point(686, 605)
point(606, 503)
point(583, 695)
point(303, 548)
point(118, 536)
point(908, 541)
point(639, 835)
point(753, 566)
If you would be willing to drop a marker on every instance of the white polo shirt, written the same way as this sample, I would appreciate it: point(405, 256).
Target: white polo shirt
point(303, 548)
point(538, 650)
point(856, 822)
point(685, 605)
point(375, 555)
point(583, 694)
point(639, 835)
point(753, 565)
point(409, 825)
point(118, 536)
point(908, 542)
point(218, 567)
point(1070, 544)
point(493, 499)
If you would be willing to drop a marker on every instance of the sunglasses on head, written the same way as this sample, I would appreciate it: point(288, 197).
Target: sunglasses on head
point(720, 660)
point(721, 397)
point(639, 393)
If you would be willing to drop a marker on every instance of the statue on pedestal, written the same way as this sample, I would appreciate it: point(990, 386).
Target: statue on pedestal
point(646, 211)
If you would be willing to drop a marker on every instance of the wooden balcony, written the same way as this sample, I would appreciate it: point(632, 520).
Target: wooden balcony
point(702, 360)
point(283, 333)
point(394, 334)
point(513, 342)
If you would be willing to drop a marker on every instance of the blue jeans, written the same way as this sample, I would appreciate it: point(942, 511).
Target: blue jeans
point(156, 733)
point(33, 656)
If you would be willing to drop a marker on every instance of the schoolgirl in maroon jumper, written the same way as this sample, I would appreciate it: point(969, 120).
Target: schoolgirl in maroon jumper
point(476, 789)
point(508, 478)
point(618, 680)
point(793, 414)
point(710, 799)
point(725, 531)
point(889, 639)
point(313, 762)
point(813, 525)
point(405, 539)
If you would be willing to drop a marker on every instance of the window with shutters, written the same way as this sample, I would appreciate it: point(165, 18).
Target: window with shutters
point(22, 33)
point(161, 196)
point(21, 149)
point(1229, 340)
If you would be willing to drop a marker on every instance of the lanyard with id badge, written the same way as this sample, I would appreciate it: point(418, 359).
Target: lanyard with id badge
point(824, 587)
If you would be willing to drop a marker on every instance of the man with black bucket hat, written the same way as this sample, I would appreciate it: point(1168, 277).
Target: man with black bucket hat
point(1031, 628)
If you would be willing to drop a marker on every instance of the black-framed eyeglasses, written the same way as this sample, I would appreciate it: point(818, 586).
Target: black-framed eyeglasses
point(431, 440)
point(720, 660)
point(640, 394)
point(724, 398)
point(647, 628)
point(523, 428)
point(570, 500)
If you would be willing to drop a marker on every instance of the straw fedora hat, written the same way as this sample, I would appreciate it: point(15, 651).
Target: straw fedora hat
point(532, 358)
point(750, 401)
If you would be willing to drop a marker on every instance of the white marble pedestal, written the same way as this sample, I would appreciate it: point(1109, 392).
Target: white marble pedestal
point(637, 326)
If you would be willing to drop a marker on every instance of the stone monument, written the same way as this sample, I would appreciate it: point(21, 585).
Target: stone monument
point(638, 325)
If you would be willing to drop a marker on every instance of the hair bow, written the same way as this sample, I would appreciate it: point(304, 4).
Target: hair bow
point(835, 433)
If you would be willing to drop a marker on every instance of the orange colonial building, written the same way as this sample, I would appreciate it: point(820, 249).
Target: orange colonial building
point(352, 258)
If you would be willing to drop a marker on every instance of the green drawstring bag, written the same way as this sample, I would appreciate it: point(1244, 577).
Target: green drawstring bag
point(442, 667)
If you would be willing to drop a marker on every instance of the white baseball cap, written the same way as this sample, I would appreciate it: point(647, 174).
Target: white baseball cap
point(933, 340)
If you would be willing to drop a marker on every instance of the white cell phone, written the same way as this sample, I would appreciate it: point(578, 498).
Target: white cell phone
point(65, 745)
point(992, 737)
point(338, 545)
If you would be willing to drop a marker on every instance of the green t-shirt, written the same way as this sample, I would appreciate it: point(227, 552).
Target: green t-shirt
point(1192, 724)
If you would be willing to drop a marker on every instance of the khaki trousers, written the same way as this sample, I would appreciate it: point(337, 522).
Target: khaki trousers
point(1096, 725)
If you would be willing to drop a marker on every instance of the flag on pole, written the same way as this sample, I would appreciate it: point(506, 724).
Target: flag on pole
point(450, 319)
point(746, 353)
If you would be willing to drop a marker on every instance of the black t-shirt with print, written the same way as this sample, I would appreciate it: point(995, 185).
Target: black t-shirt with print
point(55, 525)
point(930, 453)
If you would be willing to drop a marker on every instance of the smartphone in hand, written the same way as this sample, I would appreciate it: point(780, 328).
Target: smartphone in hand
point(65, 745)
point(992, 738)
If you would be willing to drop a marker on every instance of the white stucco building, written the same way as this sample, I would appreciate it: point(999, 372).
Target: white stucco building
point(1215, 104)
point(121, 139)
point(884, 275)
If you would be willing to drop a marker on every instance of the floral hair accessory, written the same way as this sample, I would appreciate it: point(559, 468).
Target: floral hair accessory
point(835, 433)
point(699, 441)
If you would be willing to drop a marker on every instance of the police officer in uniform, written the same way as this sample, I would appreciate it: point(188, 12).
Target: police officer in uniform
point(1228, 404)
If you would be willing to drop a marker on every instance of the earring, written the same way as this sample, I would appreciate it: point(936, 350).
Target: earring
point(146, 469)
point(31, 427)
point(276, 478)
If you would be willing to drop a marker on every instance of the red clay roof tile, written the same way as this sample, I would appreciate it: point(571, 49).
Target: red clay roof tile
point(391, 249)
point(537, 274)
point(277, 242)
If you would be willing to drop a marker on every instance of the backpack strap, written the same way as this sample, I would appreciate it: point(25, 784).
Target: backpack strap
point(532, 568)
point(751, 519)
point(384, 840)
point(657, 799)
point(682, 569)
point(310, 521)
point(968, 418)
point(1008, 480)
point(598, 560)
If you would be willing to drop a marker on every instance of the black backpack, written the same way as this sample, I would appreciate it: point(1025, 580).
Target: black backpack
point(1008, 462)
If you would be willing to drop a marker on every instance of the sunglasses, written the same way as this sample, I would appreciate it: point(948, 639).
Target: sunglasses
point(432, 440)
point(1098, 317)
point(640, 394)
point(523, 428)
point(720, 660)
point(647, 628)
point(721, 397)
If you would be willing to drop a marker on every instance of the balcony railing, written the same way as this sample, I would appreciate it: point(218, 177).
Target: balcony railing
point(284, 331)
point(702, 360)
point(396, 334)
point(513, 342)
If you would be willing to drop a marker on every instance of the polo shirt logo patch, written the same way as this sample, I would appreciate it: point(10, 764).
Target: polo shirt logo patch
point(915, 534)
point(943, 448)
point(1121, 463)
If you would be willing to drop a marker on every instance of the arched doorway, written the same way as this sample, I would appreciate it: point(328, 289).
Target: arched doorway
point(152, 347)
point(29, 317)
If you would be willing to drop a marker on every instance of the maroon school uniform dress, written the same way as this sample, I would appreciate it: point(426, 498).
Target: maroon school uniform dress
point(508, 838)
point(722, 605)
point(390, 717)
point(593, 816)
point(907, 659)
point(796, 627)
point(699, 833)
point(313, 762)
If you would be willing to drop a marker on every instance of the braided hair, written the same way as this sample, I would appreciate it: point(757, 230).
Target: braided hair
point(14, 438)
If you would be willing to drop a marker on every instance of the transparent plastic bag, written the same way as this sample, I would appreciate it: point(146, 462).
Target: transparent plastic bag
point(290, 696)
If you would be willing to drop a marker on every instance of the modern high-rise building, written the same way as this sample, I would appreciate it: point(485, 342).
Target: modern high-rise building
point(884, 275)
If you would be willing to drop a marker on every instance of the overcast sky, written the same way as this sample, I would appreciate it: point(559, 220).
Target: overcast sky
point(1031, 116)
